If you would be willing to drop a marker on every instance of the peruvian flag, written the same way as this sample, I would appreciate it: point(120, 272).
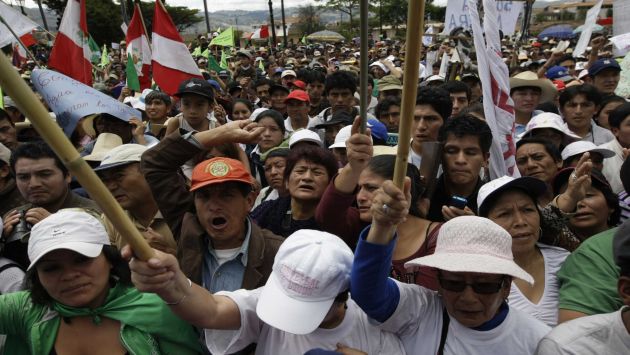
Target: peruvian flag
point(71, 53)
point(260, 33)
point(138, 51)
point(495, 82)
point(172, 62)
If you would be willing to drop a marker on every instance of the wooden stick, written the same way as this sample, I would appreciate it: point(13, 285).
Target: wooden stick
point(415, 28)
point(17, 38)
point(363, 89)
point(57, 140)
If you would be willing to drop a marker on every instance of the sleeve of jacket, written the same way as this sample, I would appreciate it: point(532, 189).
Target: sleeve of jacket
point(335, 215)
point(161, 165)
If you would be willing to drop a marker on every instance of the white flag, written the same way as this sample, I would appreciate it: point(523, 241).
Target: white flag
point(495, 83)
point(587, 30)
point(19, 23)
point(428, 39)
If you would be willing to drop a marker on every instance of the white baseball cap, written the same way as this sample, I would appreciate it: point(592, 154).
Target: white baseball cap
point(310, 270)
point(122, 155)
point(287, 73)
point(341, 137)
point(531, 186)
point(435, 78)
point(473, 244)
point(304, 135)
point(380, 65)
point(581, 147)
point(548, 120)
point(72, 229)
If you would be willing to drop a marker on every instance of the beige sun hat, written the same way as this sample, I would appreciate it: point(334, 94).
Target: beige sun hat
point(529, 78)
point(104, 144)
point(473, 244)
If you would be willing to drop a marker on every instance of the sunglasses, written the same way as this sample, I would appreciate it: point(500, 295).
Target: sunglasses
point(482, 288)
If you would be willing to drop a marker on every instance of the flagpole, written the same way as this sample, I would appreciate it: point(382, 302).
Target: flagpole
point(415, 27)
point(28, 52)
point(144, 27)
point(50, 131)
point(363, 89)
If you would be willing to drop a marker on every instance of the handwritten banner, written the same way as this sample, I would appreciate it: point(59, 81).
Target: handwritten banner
point(457, 15)
point(71, 100)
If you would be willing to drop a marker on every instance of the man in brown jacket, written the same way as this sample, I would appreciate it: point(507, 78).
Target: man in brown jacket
point(218, 246)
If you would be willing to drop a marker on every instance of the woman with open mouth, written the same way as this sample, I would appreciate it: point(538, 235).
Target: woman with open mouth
point(307, 172)
point(79, 298)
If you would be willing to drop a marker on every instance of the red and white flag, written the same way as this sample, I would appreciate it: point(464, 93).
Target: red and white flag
point(495, 82)
point(19, 23)
point(172, 62)
point(138, 49)
point(71, 53)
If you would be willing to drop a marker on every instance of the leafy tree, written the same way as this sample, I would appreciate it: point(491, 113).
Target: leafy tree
point(394, 12)
point(309, 19)
point(345, 6)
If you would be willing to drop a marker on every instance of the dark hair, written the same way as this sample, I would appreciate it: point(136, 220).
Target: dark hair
point(36, 150)
point(158, 95)
point(609, 99)
point(275, 115)
point(467, 125)
point(370, 80)
point(313, 154)
point(383, 166)
point(455, 86)
point(564, 58)
point(119, 274)
point(550, 148)
point(476, 108)
point(341, 80)
point(245, 102)
point(437, 98)
point(315, 76)
point(384, 105)
point(5, 116)
point(263, 81)
point(624, 174)
point(589, 91)
point(618, 115)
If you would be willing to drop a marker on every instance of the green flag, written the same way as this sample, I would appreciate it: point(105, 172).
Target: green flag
point(303, 39)
point(104, 58)
point(224, 63)
point(206, 53)
point(133, 82)
point(213, 65)
point(96, 51)
point(224, 39)
point(196, 52)
point(261, 65)
point(1, 99)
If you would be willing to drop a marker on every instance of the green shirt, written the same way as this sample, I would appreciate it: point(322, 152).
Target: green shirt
point(588, 277)
point(147, 326)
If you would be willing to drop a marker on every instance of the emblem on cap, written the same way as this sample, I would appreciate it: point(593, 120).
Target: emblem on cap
point(218, 169)
point(191, 84)
point(607, 62)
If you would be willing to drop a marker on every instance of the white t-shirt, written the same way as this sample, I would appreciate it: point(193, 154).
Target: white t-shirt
point(597, 334)
point(354, 331)
point(225, 255)
point(546, 310)
point(418, 322)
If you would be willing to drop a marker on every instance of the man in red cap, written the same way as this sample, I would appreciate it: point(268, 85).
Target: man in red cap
point(298, 106)
point(218, 246)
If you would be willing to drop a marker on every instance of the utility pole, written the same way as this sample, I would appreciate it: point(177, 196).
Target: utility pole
point(273, 24)
point(284, 25)
point(41, 12)
point(205, 9)
point(123, 10)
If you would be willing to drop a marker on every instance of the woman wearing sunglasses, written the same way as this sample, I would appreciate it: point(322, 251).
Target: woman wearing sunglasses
point(469, 314)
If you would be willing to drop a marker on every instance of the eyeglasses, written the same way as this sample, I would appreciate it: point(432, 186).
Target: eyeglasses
point(482, 288)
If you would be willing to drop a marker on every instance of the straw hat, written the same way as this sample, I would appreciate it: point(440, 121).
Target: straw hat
point(473, 244)
point(529, 78)
point(104, 144)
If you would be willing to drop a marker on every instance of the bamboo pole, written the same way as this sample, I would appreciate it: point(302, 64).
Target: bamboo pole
point(363, 89)
point(48, 129)
point(17, 38)
point(415, 27)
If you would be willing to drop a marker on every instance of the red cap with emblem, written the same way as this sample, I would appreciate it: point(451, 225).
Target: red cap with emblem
point(219, 170)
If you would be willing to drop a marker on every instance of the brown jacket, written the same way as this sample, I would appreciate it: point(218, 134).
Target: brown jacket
point(161, 167)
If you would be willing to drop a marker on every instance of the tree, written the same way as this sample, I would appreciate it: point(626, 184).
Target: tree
point(345, 6)
point(104, 17)
point(394, 12)
point(309, 19)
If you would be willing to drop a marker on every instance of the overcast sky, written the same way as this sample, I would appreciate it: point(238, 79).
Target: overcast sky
point(217, 5)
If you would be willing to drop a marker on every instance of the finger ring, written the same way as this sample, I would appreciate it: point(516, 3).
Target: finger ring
point(574, 176)
point(385, 208)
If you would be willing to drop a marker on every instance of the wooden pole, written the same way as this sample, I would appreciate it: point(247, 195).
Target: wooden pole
point(363, 89)
point(17, 38)
point(415, 27)
point(48, 129)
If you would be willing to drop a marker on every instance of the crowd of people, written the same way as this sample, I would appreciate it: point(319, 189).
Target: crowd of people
point(276, 228)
